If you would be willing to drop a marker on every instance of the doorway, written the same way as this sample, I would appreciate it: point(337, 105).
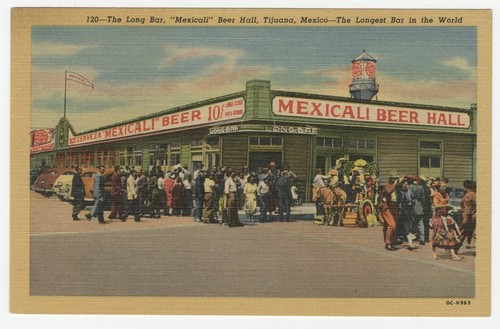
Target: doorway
point(262, 159)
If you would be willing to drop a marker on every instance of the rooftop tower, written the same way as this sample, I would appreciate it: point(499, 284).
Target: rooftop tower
point(363, 84)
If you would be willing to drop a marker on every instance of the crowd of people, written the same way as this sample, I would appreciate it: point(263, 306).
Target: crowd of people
point(209, 196)
point(411, 206)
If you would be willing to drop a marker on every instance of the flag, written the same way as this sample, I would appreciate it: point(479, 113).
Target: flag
point(78, 78)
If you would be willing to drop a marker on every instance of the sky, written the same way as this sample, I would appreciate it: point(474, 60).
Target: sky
point(141, 70)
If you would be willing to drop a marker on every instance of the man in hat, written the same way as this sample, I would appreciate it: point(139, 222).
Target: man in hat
point(406, 202)
point(273, 170)
point(78, 193)
point(418, 228)
point(318, 183)
point(274, 174)
point(263, 195)
point(284, 193)
point(246, 174)
point(230, 190)
point(210, 198)
point(142, 195)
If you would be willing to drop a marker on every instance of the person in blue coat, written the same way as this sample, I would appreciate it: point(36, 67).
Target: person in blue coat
point(98, 192)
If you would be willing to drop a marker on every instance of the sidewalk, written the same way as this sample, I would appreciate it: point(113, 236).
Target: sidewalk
point(306, 211)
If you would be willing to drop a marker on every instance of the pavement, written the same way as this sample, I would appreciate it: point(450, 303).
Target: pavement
point(176, 256)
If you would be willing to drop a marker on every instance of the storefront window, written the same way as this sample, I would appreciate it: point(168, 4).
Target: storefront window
point(138, 157)
point(213, 142)
point(266, 141)
point(329, 142)
point(430, 158)
point(433, 146)
point(276, 141)
point(173, 156)
point(157, 154)
point(430, 162)
point(258, 160)
point(175, 159)
point(361, 143)
point(85, 159)
point(196, 142)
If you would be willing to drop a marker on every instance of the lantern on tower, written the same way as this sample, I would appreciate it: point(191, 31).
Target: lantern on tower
point(363, 84)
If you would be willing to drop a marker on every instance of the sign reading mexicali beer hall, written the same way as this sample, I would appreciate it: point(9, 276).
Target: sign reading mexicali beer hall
point(199, 116)
point(337, 110)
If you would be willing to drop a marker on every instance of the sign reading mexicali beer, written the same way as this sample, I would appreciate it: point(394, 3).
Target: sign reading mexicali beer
point(199, 116)
point(337, 110)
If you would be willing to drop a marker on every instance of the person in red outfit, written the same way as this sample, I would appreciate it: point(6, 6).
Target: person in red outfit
point(446, 233)
point(389, 211)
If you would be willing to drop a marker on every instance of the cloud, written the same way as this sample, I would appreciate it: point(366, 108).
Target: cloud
point(57, 49)
point(443, 92)
point(455, 93)
point(461, 64)
point(175, 54)
point(334, 81)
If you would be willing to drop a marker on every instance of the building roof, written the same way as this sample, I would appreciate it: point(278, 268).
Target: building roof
point(364, 57)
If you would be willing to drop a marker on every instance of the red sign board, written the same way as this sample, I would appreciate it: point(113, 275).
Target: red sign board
point(361, 112)
point(212, 114)
point(42, 140)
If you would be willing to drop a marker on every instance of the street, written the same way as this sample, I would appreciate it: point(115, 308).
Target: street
point(175, 256)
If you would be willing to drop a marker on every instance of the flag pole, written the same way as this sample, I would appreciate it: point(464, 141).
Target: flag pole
point(65, 85)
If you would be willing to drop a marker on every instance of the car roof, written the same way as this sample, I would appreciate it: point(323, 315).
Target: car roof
point(57, 170)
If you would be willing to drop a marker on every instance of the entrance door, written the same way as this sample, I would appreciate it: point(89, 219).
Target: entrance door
point(213, 160)
point(262, 159)
point(196, 161)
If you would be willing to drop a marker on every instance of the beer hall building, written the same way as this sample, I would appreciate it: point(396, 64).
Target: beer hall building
point(259, 124)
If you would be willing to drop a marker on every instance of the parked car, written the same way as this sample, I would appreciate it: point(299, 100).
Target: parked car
point(88, 181)
point(34, 173)
point(62, 185)
point(45, 182)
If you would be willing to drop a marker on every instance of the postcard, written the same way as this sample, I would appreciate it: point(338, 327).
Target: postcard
point(263, 162)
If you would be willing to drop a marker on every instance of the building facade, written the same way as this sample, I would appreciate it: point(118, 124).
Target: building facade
point(260, 125)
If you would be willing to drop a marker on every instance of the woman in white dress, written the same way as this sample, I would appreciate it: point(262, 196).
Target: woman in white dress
point(250, 193)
